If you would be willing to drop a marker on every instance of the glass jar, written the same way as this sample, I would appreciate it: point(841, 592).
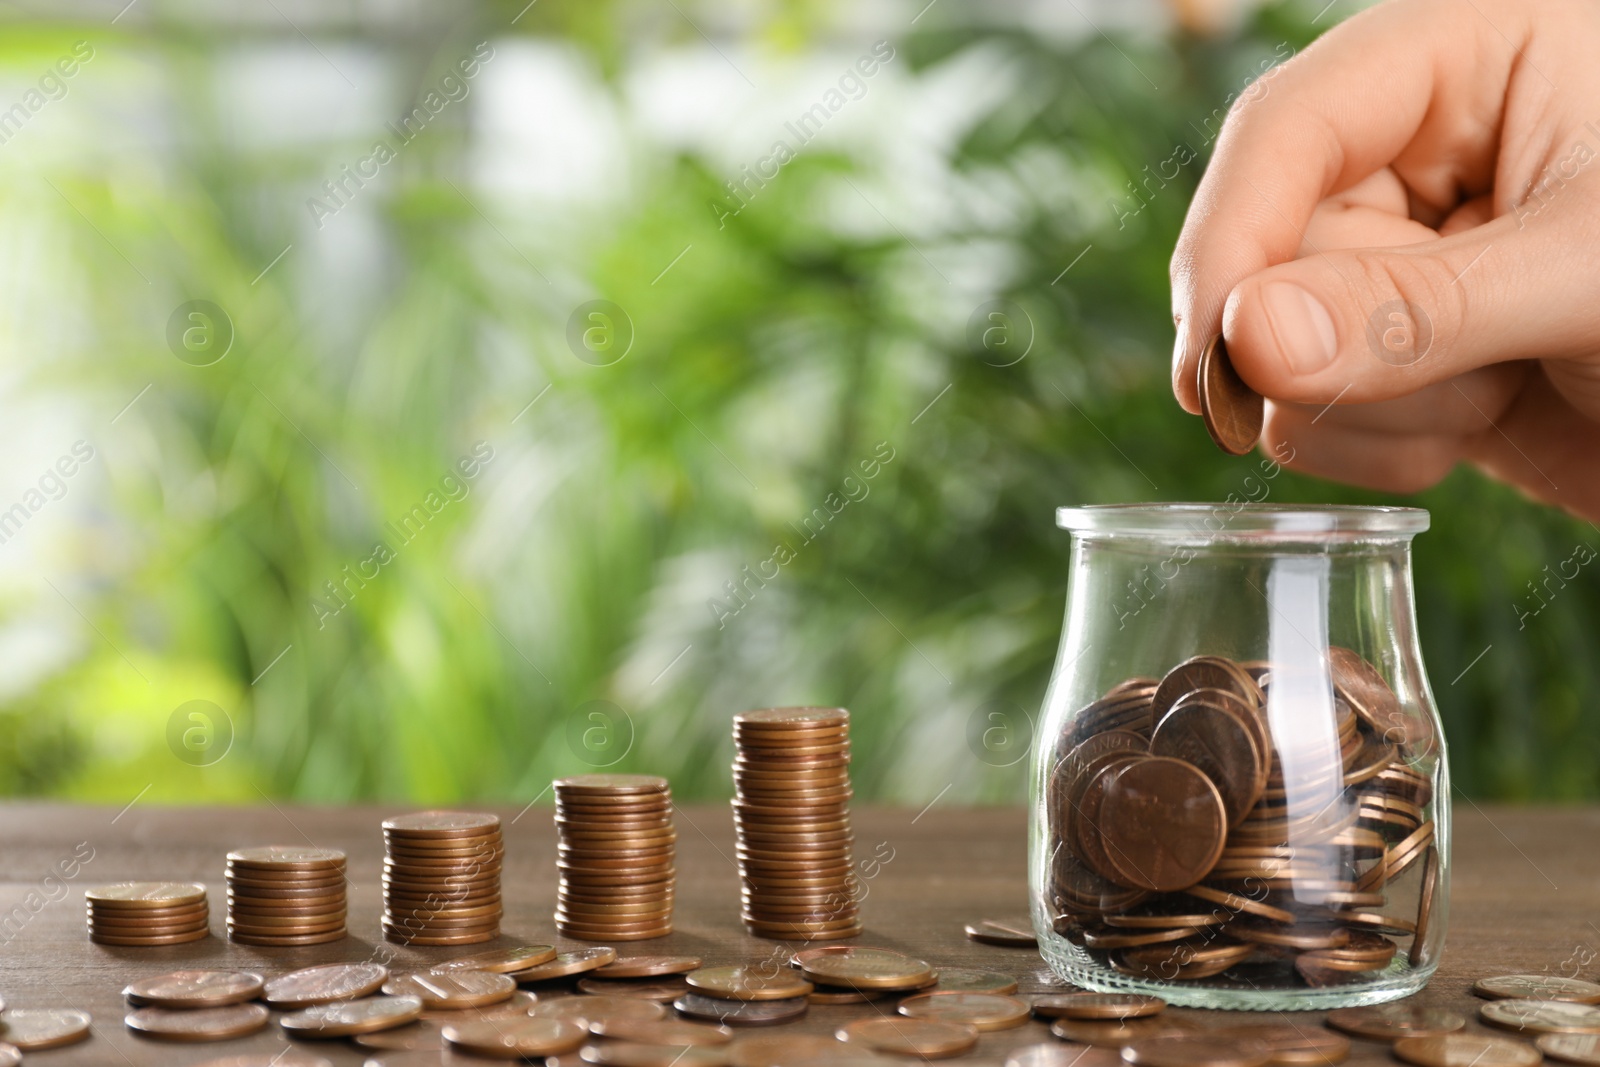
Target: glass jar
point(1240, 797)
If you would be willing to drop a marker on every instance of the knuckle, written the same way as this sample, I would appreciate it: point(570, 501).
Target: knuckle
point(1424, 281)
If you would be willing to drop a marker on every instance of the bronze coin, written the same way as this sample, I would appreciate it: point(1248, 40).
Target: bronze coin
point(747, 983)
point(452, 990)
point(1202, 672)
point(1299, 936)
point(1430, 887)
point(1096, 1005)
point(962, 980)
point(926, 1038)
point(1542, 1016)
point(427, 938)
point(29, 1029)
point(346, 1018)
point(1196, 1050)
point(1216, 739)
point(194, 989)
point(1237, 902)
point(1164, 824)
point(661, 1031)
point(1466, 1050)
point(612, 934)
point(268, 921)
point(516, 1038)
point(1389, 1022)
point(846, 996)
point(324, 984)
point(1233, 412)
point(568, 963)
point(135, 928)
point(198, 1024)
point(1370, 697)
point(1582, 1049)
point(134, 896)
point(660, 990)
point(985, 1011)
point(287, 858)
point(740, 1012)
point(1291, 1045)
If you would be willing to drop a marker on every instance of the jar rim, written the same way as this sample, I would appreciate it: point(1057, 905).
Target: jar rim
point(1224, 519)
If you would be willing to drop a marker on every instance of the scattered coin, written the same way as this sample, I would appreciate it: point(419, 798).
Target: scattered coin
point(1233, 412)
point(198, 1024)
point(1537, 987)
point(984, 1011)
point(1582, 1049)
point(1292, 1045)
point(1542, 1016)
point(1113, 1033)
point(501, 960)
point(740, 1012)
point(866, 968)
point(30, 1029)
point(637, 1054)
point(516, 1038)
point(424, 1035)
point(1466, 1050)
point(324, 984)
point(195, 989)
point(780, 1050)
point(747, 983)
point(594, 1009)
point(661, 989)
point(1005, 933)
point(1196, 1050)
point(1389, 1022)
point(911, 1037)
point(647, 966)
point(1096, 1005)
point(661, 1032)
point(962, 980)
point(349, 1017)
point(1057, 1054)
point(284, 1058)
point(452, 990)
point(568, 963)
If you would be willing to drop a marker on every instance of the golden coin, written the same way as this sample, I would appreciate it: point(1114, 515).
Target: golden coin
point(1582, 1049)
point(747, 983)
point(986, 1011)
point(348, 1017)
point(1466, 1050)
point(132, 896)
point(1538, 987)
point(29, 1029)
point(198, 1024)
point(452, 990)
point(1095, 1005)
point(1291, 1045)
point(1389, 1022)
point(867, 968)
point(1196, 1050)
point(740, 1012)
point(911, 1037)
point(288, 857)
point(1233, 412)
point(663, 989)
point(660, 1031)
point(516, 1038)
point(324, 984)
point(501, 960)
point(1542, 1016)
point(568, 963)
point(194, 989)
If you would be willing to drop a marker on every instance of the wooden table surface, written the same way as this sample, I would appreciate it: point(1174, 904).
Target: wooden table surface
point(1526, 899)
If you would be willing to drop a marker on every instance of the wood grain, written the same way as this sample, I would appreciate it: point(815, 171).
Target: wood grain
point(1526, 898)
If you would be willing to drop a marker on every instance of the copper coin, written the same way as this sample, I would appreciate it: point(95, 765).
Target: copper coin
point(162, 939)
point(501, 960)
point(747, 983)
point(348, 1017)
point(1291, 1045)
point(1466, 1050)
point(284, 1058)
point(661, 1031)
point(198, 1024)
point(288, 857)
point(439, 940)
point(1196, 1050)
point(646, 966)
point(1003, 933)
point(568, 963)
point(1216, 739)
point(1370, 697)
point(324, 984)
point(1233, 412)
point(1542, 1016)
point(634, 1054)
point(424, 1035)
point(1163, 823)
point(1236, 902)
point(516, 1038)
point(986, 1011)
point(452, 990)
point(780, 1050)
point(1537, 987)
point(609, 785)
point(440, 824)
point(29, 1029)
point(288, 941)
point(848, 996)
point(740, 1012)
point(194, 989)
point(1389, 1022)
point(1430, 887)
point(132, 896)
point(134, 928)
point(594, 1008)
point(1096, 1005)
point(911, 1037)
point(661, 990)
point(1201, 672)
point(867, 968)
point(1114, 1033)
point(962, 980)
point(1058, 1054)
point(269, 921)
point(786, 719)
point(1582, 1049)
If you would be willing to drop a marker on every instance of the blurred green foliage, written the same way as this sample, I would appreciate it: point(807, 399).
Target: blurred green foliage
point(824, 323)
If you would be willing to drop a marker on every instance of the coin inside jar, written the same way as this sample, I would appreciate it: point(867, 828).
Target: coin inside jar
point(1164, 823)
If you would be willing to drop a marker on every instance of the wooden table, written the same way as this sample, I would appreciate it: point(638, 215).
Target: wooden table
point(1526, 898)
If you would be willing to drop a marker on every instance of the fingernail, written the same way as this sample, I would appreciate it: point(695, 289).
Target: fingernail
point(1302, 326)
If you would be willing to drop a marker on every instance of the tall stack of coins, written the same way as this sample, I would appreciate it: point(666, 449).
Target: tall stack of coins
point(792, 820)
point(441, 878)
point(147, 913)
point(286, 895)
point(616, 847)
point(1185, 847)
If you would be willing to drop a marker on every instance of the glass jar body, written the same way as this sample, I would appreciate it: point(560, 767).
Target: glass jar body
point(1240, 792)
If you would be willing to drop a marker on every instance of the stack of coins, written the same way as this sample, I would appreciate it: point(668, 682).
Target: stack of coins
point(792, 821)
point(286, 895)
point(615, 855)
point(441, 878)
point(147, 913)
point(1184, 847)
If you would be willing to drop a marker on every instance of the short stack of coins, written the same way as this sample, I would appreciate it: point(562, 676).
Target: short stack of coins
point(136, 914)
point(615, 855)
point(286, 895)
point(1183, 849)
point(791, 816)
point(441, 878)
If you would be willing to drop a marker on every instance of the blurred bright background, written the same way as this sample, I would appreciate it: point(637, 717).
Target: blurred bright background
point(414, 400)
